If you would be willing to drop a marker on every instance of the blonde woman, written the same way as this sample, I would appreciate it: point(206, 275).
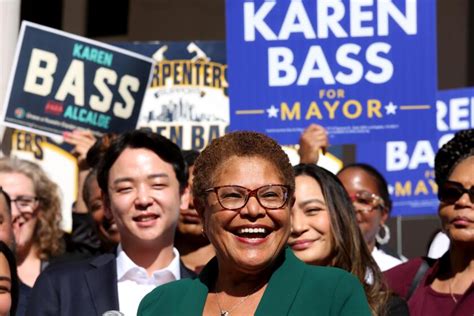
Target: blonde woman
point(36, 214)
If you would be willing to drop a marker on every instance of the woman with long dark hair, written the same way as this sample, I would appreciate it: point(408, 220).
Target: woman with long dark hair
point(325, 232)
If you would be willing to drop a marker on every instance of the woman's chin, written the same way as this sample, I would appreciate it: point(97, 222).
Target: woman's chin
point(312, 257)
point(253, 267)
point(253, 261)
point(20, 249)
point(462, 237)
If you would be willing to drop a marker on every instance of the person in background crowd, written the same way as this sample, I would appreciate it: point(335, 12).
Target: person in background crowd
point(104, 226)
point(93, 232)
point(8, 281)
point(192, 244)
point(143, 179)
point(325, 232)
point(445, 286)
point(243, 190)
point(83, 241)
point(36, 214)
point(6, 231)
point(368, 191)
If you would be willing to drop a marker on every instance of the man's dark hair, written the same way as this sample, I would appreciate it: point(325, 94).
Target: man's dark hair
point(161, 146)
point(95, 153)
point(190, 156)
point(86, 191)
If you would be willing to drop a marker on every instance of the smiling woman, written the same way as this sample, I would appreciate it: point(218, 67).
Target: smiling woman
point(325, 232)
point(36, 214)
point(243, 191)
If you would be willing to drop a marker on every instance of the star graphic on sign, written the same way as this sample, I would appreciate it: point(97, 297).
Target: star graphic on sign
point(391, 108)
point(272, 111)
point(391, 189)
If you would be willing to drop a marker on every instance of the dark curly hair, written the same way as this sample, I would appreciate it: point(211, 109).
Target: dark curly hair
point(460, 147)
point(241, 144)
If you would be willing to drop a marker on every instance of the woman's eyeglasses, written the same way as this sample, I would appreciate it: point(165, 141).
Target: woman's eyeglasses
point(451, 191)
point(25, 203)
point(366, 202)
point(26, 206)
point(234, 197)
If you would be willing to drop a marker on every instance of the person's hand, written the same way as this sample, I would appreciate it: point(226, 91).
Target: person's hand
point(313, 139)
point(82, 140)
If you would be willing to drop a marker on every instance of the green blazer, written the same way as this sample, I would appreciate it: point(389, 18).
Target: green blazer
point(295, 288)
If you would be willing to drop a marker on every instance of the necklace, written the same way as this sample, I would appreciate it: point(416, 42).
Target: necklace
point(450, 292)
point(227, 312)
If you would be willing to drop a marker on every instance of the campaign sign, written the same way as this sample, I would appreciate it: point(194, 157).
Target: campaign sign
point(455, 112)
point(62, 82)
point(408, 165)
point(187, 100)
point(359, 68)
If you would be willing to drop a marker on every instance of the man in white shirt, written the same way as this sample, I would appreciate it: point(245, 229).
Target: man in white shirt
point(143, 180)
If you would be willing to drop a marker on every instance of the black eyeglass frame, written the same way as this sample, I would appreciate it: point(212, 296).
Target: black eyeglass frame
point(20, 198)
point(453, 186)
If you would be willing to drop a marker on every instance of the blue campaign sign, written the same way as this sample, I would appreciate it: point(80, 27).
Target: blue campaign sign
point(408, 165)
point(357, 68)
point(455, 111)
point(62, 82)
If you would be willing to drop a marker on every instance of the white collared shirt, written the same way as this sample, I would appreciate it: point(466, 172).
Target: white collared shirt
point(133, 282)
point(383, 260)
point(439, 246)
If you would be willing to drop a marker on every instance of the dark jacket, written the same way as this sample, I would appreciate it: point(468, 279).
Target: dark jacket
point(79, 288)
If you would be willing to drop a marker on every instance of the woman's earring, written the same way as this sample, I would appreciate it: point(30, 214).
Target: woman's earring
point(386, 236)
